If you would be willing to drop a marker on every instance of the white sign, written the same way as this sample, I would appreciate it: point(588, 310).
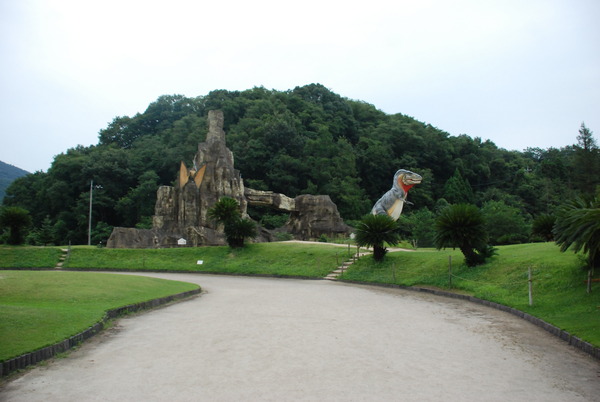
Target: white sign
point(182, 242)
point(200, 262)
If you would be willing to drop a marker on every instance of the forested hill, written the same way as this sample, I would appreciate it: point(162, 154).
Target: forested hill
point(305, 140)
point(8, 173)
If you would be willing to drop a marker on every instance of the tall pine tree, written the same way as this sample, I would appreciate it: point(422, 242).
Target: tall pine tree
point(587, 162)
point(458, 190)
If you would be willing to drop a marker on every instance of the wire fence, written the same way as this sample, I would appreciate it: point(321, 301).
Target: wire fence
point(498, 287)
point(438, 278)
point(503, 284)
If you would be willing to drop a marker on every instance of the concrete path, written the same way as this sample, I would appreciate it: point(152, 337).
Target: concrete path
point(256, 339)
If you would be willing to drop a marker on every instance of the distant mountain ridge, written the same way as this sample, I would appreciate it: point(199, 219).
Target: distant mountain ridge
point(8, 173)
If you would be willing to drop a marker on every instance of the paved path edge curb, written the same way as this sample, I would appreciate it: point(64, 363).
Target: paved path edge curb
point(28, 359)
point(554, 330)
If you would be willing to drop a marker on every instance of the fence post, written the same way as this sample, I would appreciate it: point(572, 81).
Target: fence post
point(530, 287)
point(394, 271)
point(449, 271)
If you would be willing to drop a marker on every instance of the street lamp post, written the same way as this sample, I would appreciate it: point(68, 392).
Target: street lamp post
point(90, 215)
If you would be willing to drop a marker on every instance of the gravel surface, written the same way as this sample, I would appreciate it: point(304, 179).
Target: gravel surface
point(261, 339)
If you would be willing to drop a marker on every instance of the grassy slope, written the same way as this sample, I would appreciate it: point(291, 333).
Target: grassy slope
point(559, 292)
point(286, 259)
point(29, 257)
point(40, 308)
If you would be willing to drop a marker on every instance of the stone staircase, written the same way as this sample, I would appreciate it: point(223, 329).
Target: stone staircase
point(339, 271)
point(63, 258)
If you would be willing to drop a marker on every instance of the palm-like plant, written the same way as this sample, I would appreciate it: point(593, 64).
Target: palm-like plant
point(237, 230)
point(224, 210)
point(578, 226)
point(375, 231)
point(542, 226)
point(463, 226)
point(227, 212)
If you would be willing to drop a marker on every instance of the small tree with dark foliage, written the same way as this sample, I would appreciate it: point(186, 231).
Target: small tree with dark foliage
point(16, 220)
point(542, 226)
point(463, 226)
point(375, 231)
point(578, 226)
point(227, 212)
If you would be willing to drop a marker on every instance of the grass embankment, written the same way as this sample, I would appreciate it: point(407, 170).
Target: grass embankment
point(29, 257)
point(284, 259)
point(559, 289)
point(41, 308)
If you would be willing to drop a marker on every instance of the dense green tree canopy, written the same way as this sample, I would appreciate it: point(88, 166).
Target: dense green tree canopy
point(305, 140)
point(14, 220)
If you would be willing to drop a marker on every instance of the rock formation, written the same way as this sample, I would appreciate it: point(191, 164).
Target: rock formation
point(313, 216)
point(181, 211)
point(280, 202)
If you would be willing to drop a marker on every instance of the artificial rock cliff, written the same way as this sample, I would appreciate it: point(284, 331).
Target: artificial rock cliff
point(181, 211)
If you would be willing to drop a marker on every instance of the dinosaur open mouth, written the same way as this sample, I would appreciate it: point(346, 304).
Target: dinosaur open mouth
point(412, 180)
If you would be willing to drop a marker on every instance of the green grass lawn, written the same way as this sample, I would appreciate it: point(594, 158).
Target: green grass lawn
point(559, 289)
point(285, 259)
point(29, 257)
point(40, 308)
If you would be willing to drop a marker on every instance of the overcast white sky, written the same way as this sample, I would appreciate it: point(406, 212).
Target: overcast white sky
point(522, 73)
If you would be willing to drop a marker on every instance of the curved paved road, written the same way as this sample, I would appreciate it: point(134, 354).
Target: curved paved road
point(281, 340)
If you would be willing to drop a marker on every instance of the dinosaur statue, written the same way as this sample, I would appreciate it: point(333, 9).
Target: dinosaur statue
point(392, 202)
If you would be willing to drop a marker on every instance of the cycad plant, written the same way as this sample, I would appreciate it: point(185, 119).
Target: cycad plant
point(376, 231)
point(227, 212)
point(224, 210)
point(238, 230)
point(542, 226)
point(463, 226)
point(578, 226)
